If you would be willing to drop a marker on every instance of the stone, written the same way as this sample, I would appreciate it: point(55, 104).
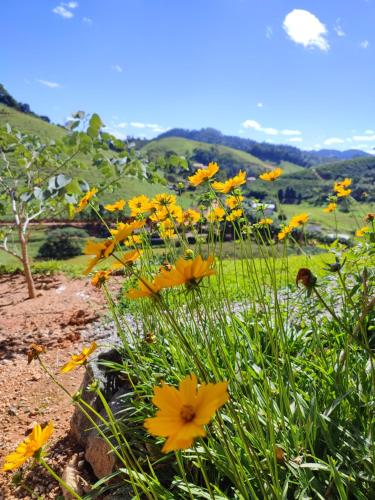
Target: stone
point(108, 384)
point(98, 454)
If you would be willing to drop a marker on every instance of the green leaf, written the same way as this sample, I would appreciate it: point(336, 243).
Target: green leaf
point(59, 181)
point(95, 124)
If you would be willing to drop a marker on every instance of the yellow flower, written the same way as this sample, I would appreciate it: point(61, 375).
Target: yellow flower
point(271, 176)
point(183, 412)
point(79, 359)
point(342, 192)
point(99, 250)
point(123, 233)
point(340, 187)
point(299, 220)
point(284, 232)
point(204, 174)
point(189, 272)
point(345, 183)
point(174, 212)
point(133, 240)
point(233, 201)
point(361, 232)
point(145, 289)
point(100, 277)
point(168, 234)
point(163, 200)
point(139, 205)
point(118, 205)
point(234, 215)
point(330, 208)
point(127, 258)
point(30, 447)
point(230, 184)
point(216, 215)
point(265, 222)
point(190, 217)
point(85, 199)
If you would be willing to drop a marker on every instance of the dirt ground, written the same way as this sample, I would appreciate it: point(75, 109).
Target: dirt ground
point(55, 320)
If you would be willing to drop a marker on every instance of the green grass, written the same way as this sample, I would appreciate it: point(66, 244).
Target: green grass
point(347, 223)
point(185, 147)
point(30, 124)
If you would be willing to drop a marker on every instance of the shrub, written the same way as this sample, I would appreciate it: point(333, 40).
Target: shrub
point(62, 243)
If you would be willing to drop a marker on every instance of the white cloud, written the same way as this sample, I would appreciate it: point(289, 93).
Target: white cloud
point(333, 140)
point(253, 124)
point(117, 68)
point(87, 20)
point(364, 44)
point(290, 132)
point(51, 85)
point(138, 125)
point(364, 138)
point(63, 12)
point(260, 105)
point(122, 125)
point(269, 32)
point(305, 28)
point(63, 9)
point(338, 28)
point(153, 127)
point(295, 139)
point(369, 132)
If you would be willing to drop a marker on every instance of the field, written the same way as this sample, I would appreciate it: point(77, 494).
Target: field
point(346, 222)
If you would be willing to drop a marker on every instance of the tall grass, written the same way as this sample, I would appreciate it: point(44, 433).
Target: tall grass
point(296, 348)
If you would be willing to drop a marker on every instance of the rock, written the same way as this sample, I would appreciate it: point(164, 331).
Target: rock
point(97, 451)
point(99, 456)
point(108, 384)
point(73, 479)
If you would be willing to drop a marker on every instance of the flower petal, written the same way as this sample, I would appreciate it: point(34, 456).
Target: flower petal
point(210, 398)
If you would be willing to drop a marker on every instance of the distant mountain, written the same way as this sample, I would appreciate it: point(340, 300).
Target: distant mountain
point(275, 153)
point(334, 154)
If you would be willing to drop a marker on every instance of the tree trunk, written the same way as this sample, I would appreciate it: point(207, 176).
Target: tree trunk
point(26, 266)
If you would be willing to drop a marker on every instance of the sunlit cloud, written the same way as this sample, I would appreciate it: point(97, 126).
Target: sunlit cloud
point(117, 67)
point(364, 44)
point(269, 32)
point(333, 140)
point(254, 125)
point(304, 28)
point(87, 20)
point(295, 139)
point(260, 105)
point(338, 28)
point(51, 85)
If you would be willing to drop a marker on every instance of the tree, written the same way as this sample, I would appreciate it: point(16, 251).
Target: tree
point(35, 178)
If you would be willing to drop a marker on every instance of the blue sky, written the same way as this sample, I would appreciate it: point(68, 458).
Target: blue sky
point(295, 72)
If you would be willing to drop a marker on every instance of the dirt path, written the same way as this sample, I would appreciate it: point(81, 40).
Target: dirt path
point(55, 319)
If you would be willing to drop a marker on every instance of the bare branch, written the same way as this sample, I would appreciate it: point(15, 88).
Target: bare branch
point(4, 246)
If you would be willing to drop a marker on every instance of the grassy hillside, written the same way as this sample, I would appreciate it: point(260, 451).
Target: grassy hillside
point(186, 147)
point(29, 124)
point(129, 187)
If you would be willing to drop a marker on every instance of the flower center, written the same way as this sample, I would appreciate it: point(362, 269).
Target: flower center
point(187, 413)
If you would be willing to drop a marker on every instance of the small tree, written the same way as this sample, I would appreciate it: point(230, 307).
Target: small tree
point(35, 179)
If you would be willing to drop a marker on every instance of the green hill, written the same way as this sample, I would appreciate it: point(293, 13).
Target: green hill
point(29, 124)
point(226, 157)
point(129, 186)
point(315, 184)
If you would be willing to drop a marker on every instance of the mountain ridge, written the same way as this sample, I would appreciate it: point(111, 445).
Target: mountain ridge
point(264, 150)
